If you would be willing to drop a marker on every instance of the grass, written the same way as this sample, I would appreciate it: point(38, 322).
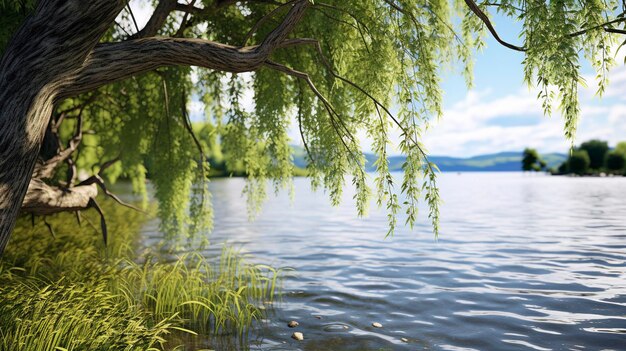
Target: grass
point(69, 292)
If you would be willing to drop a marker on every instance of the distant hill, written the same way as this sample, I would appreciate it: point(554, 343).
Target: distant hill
point(498, 162)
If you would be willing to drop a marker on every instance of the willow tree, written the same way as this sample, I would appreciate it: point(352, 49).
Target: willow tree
point(110, 98)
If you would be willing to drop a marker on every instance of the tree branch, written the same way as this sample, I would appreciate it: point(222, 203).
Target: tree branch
point(615, 30)
point(603, 26)
point(157, 20)
point(188, 8)
point(46, 169)
point(326, 62)
point(165, 7)
point(44, 199)
point(111, 62)
point(483, 17)
point(103, 223)
point(262, 20)
point(416, 22)
point(335, 118)
point(184, 22)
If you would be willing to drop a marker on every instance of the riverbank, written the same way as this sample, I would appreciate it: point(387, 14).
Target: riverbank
point(68, 291)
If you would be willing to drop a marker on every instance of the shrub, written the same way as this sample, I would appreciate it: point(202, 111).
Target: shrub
point(596, 151)
point(579, 162)
point(615, 162)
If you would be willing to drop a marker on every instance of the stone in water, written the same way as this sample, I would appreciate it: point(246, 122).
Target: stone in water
point(293, 324)
point(298, 336)
point(377, 325)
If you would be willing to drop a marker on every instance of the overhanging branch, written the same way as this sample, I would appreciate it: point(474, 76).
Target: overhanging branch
point(485, 19)
point(111, 62)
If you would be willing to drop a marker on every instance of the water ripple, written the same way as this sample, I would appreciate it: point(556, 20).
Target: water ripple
point(523, 263)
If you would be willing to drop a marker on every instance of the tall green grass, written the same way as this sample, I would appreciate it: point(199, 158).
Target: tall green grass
point(69, 292)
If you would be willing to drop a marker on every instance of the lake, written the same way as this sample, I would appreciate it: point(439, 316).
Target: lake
point(523, 262)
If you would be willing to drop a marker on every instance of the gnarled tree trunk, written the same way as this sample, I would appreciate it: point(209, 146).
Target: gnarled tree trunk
point(42, 59)
point(55, 55)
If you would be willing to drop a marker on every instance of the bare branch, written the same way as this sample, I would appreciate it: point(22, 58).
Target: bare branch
point(157, 20)
point(78, 218)
point(615, 30)
point(483, 17)
point(132, 15)
point(100, 183)
point(97, 179)
point(189, 129)
point(183, 23)
point(107, 164)
point(71, 171)
point(103, 222)
point(49, 226)
point(306, 145)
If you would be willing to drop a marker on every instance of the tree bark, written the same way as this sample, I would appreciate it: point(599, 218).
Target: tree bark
point(111, 62)
point(56, 55)
point(43, 199)
point(42, 59)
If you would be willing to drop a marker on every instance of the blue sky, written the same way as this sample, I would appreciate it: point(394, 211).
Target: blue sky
point(500, 113)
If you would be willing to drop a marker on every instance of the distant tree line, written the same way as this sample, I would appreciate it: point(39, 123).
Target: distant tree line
point(593, 157)
point(532, 161)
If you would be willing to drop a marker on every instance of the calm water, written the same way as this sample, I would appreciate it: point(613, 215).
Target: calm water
point(524, 262)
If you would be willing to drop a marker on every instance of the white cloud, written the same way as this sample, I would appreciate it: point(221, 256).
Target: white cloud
point(484, 122)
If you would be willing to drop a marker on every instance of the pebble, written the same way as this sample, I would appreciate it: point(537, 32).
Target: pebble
point(318, 317)
point(298, 336)
point(404, 340)
point(377, 325)
point(293, 324)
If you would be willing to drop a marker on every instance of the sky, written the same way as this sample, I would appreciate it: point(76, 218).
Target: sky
point(500, 113)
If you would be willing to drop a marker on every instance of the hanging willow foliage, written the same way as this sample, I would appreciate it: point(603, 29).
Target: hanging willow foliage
point(345, 69)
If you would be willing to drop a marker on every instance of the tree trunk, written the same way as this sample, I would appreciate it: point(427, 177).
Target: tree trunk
point(42, 59)
point(54, 56)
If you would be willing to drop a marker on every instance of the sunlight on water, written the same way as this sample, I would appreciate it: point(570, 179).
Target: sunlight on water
point(524, 262)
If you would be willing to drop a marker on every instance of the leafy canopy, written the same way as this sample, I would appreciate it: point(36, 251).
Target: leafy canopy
point(597, 150)
point(579, 162)
point(374, 67)
point(615, 161)
point(531, 161)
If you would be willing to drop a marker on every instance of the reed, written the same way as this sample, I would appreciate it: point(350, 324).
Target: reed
point(69, 292)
